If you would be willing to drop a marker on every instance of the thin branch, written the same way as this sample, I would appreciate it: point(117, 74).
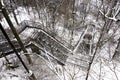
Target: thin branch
point(111, 18)
point(94, 54)
point(80, 40)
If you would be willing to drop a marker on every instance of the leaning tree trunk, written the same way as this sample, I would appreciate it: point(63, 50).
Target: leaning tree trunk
point(12, 8)
point(15, 17)
point(4, 12)
point(32, 76)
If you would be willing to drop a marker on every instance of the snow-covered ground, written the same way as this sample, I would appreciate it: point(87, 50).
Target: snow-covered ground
point(102, 68)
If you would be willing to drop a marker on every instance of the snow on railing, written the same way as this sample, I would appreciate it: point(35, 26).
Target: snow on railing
point(36, 25)
point(40, 29)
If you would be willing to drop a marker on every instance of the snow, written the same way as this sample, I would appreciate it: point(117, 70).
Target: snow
point(26, 33)
point(69, 71)
point(17, 74)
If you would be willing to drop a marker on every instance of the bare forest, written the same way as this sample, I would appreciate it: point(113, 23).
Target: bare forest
point(59, 39)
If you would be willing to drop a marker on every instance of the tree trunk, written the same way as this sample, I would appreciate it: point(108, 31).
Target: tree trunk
point(15, 17)
point(12, 8)
point(32, 76)
point(4, 12)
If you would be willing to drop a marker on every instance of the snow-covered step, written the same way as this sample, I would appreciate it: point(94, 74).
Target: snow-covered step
point(79, 60)
point(38, 26)
point(64, 42)
point(49, 42)
point(56, 56)
point(81, 56)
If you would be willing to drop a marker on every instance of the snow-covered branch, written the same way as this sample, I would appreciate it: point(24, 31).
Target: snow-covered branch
point(111, 18)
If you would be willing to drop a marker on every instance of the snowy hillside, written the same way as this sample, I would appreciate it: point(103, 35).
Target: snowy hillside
point(65, 39)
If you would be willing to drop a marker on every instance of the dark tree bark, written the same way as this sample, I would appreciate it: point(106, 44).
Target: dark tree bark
point(32, 77)
point(4, 12)
point(12, 8)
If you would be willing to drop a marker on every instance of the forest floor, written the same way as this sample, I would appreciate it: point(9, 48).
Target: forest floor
point(102, 69)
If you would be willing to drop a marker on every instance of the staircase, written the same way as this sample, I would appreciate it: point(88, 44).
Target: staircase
point(80, 60)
